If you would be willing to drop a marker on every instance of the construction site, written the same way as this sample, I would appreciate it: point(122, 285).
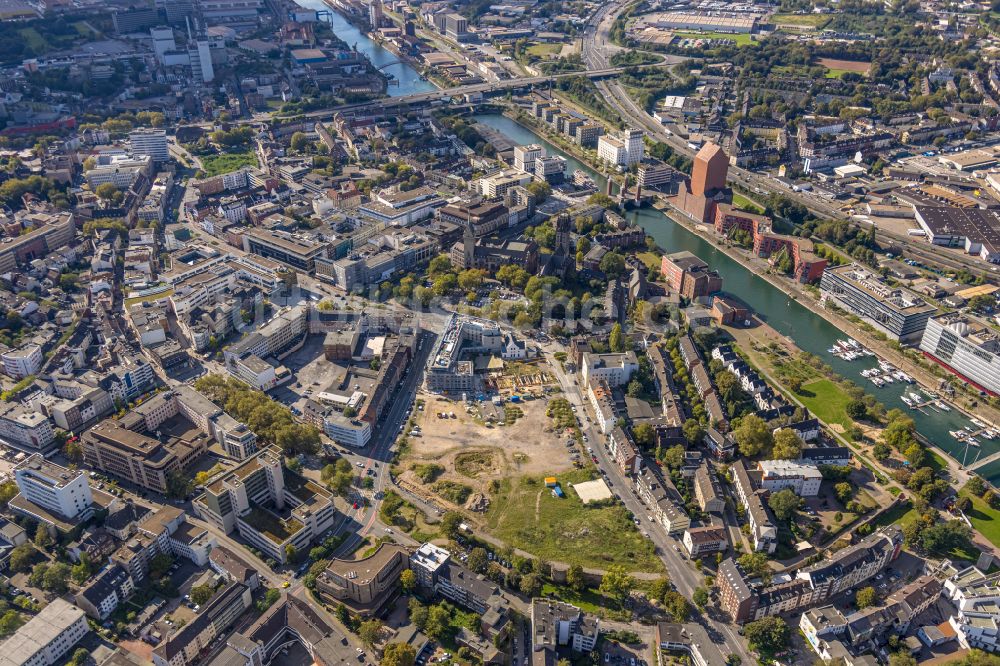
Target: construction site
point(458, 450)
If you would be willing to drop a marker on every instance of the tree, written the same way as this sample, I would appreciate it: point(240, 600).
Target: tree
point(612, 264)
point(418, 614)
point(73, 452)
point(540, 190)
point(8, 490)
point(477, 560)
point(865, 597)
point(81, 570)
point(438, 621)
point(513, 276)
point(975, 485)
point(369, 632)
point(676, 606)
point(531, 585)
point(80, 657)
point(300, 142)
point(106, 191)
point(56, 578)
point(752, 435)
point(658, 588)
point(408, 581)
point(881, 451)
point(915, 454)
point(398, 654)
point(42, 537)
point(20, 557)
point(201, 594)
point(674, 456)
point(693, 432)
point(616, 583)
point(450, 523)
point(439, 265)
point(644, 434)
point(700, 597)
point(179, 485)
point(574, 577)
point(784, 503)
point(899, 432)
point(901, 659)
point(10, 622)
point(290, 553)
point(755, 564)
point(857, 409)
point(787, 445)
point(616, 340)
point(471, 279)
point(844, 492)
point(768, 634)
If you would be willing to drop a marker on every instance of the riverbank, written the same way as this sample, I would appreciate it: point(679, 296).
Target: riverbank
point(801, 294)
point(881, 349)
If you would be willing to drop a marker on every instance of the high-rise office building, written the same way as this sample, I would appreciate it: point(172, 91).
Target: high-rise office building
point(151, 142)
point(375, 15)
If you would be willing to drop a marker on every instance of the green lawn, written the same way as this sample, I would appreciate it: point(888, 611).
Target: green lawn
point(827, 401)
point(984, 518)
point(525, 514)
point(83, 29)
point(649, 259)
point(741, 39)
point(589, 601)
point(808, 20)
point(901, 514)
point(832, 73)
point(214, 165)
point(34, 40)
point(743, 203)
point(544, 50)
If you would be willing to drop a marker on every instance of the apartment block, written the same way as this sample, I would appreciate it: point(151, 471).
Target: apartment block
point(62, 491)
point(267, 505)
point(47, 637)
point(186, 645)
point(615, 369)
point(801, 478)
point(845, 569)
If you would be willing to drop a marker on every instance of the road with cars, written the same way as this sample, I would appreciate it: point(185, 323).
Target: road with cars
point(682, 572)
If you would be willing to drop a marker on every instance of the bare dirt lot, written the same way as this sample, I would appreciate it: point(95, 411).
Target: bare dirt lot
point(472, 453)
point(846, 65)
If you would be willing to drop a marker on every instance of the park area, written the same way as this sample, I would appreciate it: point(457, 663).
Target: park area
point(215, 165)
point(776, 357)
point(526, 514)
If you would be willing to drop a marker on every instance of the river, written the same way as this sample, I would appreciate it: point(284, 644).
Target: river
point(408, 78)
point(810, 331)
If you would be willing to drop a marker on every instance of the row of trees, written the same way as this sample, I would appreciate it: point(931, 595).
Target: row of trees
point(271, 420)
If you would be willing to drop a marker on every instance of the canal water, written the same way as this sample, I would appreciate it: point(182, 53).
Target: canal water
point(408, 78)
point(809, 331)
